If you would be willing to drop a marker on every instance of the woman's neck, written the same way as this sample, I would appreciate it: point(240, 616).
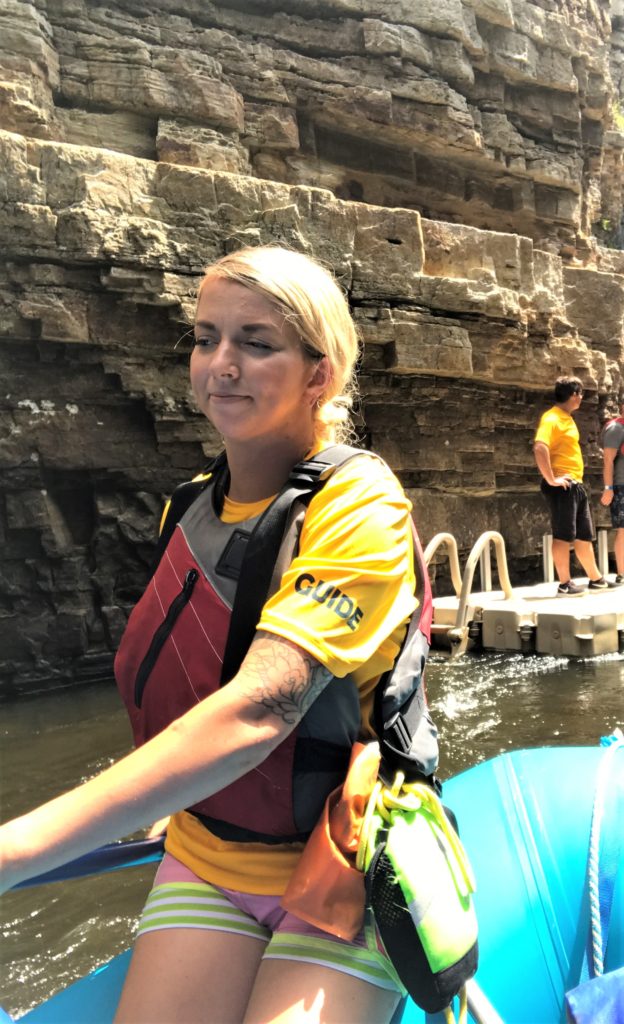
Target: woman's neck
point(260, 470)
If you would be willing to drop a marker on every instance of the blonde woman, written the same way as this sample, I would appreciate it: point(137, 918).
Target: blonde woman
point(244, 768)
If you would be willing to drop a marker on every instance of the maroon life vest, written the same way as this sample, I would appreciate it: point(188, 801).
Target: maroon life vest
point(172, 655)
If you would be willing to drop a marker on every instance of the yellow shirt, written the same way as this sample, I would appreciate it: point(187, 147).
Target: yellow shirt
point(356, 538)
point(558, 431)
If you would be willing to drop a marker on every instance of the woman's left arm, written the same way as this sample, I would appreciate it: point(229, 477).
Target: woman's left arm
point(212, 745)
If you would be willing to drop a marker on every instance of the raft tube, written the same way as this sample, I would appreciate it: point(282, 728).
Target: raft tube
point(524, 818)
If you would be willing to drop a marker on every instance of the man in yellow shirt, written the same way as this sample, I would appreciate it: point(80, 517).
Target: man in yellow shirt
point(559, 460)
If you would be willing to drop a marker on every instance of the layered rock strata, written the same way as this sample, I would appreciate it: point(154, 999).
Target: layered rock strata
point(138, 148)
point(494, 113)
point(463, 332)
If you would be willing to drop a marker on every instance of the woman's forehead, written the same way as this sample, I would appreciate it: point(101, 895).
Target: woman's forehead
point(232, 297)
point(226, 304)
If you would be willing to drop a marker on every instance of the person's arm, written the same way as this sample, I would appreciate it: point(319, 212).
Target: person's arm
point(226, 735)
point(608, 460)
point(542, 459)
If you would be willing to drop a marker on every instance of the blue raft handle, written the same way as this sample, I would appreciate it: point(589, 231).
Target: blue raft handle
point(112, 857)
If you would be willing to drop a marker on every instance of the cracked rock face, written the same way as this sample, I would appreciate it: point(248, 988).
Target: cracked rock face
point(458, 165)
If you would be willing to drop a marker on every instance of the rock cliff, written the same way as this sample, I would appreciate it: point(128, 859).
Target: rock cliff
point(458, 165)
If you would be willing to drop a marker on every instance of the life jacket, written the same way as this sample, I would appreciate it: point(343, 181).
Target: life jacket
point(193, 626)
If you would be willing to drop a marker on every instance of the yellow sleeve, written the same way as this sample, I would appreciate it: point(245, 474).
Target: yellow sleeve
point(544, 432)
point(350, 589)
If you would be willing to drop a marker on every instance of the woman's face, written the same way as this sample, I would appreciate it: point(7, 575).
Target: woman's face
point(249, 373)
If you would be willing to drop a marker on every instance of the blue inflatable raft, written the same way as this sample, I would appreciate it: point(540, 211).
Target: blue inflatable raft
point(525, 819)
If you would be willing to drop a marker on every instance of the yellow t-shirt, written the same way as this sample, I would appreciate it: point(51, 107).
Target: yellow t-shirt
point(356, 538)
point(558, 431)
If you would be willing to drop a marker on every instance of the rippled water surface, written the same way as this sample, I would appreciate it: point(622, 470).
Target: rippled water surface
point(483, 704)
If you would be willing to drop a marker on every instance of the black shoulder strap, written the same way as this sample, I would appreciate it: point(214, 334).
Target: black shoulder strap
point(407, 735)
point(181, 500)
point(305, 480)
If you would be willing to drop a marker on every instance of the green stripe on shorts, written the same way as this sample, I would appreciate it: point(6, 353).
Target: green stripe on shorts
point(186, 905)
point(353, 960)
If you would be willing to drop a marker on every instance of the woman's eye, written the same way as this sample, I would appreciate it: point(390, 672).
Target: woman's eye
point(258, 345)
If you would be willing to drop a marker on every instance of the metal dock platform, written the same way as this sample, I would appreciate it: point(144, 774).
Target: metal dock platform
point(528, 619)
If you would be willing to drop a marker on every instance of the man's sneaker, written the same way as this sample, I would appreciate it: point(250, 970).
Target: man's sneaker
point(619, 579)
point(570, 589)
point(601, 584)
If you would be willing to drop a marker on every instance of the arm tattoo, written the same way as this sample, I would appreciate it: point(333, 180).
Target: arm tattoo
point(282, 678)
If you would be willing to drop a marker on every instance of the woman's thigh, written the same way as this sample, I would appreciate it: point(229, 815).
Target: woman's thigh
point(188, 976)
point(289, 992)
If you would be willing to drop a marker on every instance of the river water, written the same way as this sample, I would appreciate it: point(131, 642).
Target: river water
point(483, 705)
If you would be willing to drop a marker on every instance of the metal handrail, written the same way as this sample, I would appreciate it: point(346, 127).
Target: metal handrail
point(453, 557)
point(459, 633)
point(481, 1009)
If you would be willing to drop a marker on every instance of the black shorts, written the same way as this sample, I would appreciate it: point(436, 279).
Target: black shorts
point(569, 512)
point(617, 507)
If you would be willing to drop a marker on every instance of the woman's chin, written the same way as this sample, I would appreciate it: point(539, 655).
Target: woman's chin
point(235, 419)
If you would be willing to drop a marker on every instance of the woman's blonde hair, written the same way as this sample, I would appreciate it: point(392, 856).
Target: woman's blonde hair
point(315, 306)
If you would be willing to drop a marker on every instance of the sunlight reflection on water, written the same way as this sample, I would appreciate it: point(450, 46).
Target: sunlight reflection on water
point(485, 704)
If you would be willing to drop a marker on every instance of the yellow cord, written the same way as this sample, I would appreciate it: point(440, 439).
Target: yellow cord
point(463, 1005)
point(449, 1013)
point(410, 796)
point(366, 832)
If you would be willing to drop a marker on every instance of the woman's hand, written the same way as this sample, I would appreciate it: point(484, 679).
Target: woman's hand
point(158, 828)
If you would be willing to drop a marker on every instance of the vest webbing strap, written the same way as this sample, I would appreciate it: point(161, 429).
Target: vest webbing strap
point(181, 500)
point(306, 478)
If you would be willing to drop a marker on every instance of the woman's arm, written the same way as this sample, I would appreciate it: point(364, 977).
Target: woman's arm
point(209, 747)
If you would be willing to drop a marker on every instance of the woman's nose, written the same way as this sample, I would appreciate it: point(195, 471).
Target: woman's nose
point(225, 360)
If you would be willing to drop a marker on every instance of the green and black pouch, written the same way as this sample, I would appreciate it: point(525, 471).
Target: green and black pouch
point(419, 887)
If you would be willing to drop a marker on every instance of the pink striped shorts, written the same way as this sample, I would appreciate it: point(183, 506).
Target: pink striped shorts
point(180, 899)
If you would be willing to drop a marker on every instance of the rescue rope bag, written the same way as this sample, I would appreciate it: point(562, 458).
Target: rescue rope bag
point(419, 887)
point(418, 880)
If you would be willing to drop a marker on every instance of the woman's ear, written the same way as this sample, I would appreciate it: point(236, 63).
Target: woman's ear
point(320, 379)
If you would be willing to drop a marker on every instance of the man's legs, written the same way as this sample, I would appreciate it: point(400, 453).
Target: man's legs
point(561, 559)
point(617, 521)
point(584, 551)
point(583, 545)
point(619, 551)
point(562, 505)
point(571, 517)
